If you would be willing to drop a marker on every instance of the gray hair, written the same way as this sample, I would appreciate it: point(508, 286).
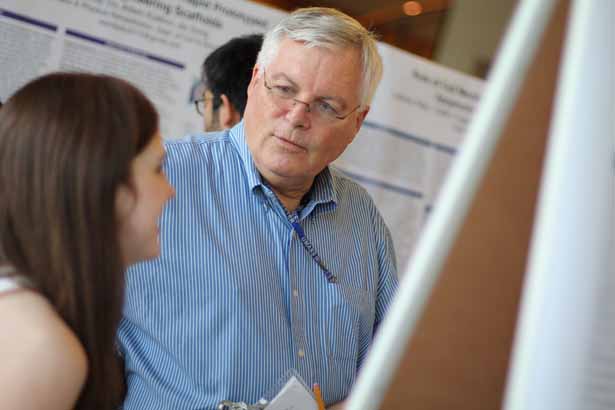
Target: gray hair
point(331, 29)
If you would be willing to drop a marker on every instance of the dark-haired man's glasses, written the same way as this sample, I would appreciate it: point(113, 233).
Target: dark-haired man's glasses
point(284, 96)
point(200, 104)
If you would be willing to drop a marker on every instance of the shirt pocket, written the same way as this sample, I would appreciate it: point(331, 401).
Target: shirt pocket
point(350, 325)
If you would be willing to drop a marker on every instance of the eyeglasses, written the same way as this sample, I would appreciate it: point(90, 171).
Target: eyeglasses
point(283, 97)
point(200, 104)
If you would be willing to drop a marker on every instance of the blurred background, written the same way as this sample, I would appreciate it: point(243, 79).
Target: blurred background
point(460, 34)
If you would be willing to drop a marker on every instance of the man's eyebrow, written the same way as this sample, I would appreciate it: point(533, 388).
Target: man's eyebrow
point(283, 76)
point(331, 98)
point(335, 99)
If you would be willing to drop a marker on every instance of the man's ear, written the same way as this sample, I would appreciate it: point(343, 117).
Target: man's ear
point(227, 114)
point(360, 118)
point(253, 80)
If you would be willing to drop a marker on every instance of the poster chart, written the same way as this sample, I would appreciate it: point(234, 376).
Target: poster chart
point(158, 45)
point(406, 145)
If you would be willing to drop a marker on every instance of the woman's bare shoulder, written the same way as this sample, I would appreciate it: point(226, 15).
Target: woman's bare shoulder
point(44, 365)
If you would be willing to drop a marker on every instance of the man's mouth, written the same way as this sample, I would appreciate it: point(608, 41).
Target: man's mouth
point(289, 144)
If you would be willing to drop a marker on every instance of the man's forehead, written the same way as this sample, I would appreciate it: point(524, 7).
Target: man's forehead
point(295, 57)
point(289, 45)
point(337, 69)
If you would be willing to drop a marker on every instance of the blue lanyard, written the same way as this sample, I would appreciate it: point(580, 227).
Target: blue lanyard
point(293, 219)
point(331, 278)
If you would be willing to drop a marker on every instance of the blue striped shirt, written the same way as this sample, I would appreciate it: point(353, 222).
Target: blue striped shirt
point(236, 300)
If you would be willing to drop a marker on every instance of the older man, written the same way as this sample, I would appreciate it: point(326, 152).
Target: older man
point(271, 260)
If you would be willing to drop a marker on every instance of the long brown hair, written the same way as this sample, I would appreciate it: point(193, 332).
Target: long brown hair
point(66, 144)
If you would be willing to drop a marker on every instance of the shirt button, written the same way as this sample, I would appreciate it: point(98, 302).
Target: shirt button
point(295, 293)
point(301, 353)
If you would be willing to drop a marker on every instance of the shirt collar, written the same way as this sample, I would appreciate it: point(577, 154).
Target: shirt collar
point(238, 138)
point(323, 189)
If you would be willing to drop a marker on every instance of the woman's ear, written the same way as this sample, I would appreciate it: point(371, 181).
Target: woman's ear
point(227, 114)
point(124, 201)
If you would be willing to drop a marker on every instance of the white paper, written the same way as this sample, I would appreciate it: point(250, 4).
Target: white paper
point(564, 352)
point(293, 396)
point(157, 45)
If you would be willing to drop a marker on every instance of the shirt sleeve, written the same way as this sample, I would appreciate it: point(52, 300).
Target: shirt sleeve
point(387, 280)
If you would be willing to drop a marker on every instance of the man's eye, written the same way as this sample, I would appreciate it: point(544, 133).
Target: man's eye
point(283, 90)
point(326, 108)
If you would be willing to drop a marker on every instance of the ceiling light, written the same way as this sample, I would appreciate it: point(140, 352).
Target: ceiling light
point(412, 8)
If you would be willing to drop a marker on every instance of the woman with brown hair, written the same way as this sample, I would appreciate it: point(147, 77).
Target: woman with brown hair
point(81, 191)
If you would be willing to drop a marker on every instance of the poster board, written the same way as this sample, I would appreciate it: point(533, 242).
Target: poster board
point(158, 45)
point(460, 353)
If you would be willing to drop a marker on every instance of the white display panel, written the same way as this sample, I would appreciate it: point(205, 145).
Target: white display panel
point(158, 45)
point(564, 352)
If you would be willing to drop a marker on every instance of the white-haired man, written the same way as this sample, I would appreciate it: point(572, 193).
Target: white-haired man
point(271, 260)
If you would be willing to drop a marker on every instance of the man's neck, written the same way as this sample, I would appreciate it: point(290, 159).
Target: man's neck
point(290, 197)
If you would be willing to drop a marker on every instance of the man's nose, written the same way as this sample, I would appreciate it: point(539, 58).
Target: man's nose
point(299, 114)
point(308, 107)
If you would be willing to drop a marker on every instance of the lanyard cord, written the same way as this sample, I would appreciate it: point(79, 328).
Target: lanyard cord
point(293, 218)
point(331, 278)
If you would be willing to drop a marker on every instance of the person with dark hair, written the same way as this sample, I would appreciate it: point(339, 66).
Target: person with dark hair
point(225, 75)
point(81, 191)
point(277, 262)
